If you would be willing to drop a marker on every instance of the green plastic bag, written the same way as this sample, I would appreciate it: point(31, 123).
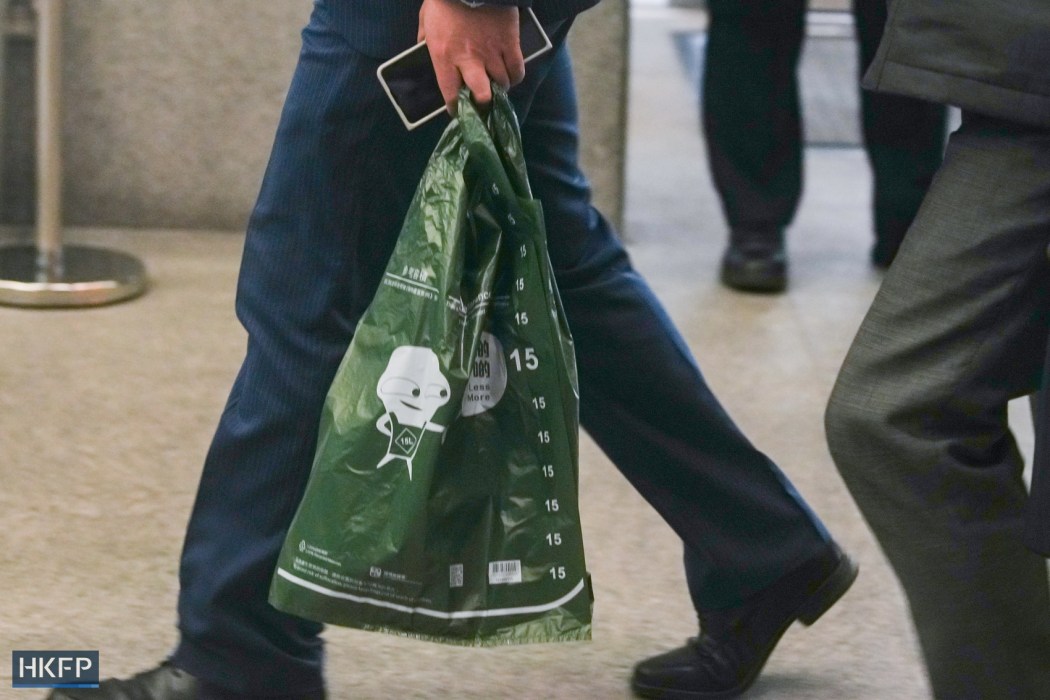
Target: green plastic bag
point(443, 500)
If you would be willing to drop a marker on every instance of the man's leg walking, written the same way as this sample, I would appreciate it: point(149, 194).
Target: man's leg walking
point(753, 129)
point(917, 421)
point(341, 175)
point(757, 558)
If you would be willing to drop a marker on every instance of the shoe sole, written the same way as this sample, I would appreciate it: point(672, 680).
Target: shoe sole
point(833, 588)
point(752, 281)
point(811, 610)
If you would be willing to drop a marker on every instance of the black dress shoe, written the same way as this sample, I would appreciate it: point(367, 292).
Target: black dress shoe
point(755, 261)
point(734, 644)
point(164, 682)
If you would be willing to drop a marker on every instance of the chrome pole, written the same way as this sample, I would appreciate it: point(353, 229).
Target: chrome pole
point(51, 274)
point(49, 138)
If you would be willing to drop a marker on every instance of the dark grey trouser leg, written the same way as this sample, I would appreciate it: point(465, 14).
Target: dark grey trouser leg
point(917, 421)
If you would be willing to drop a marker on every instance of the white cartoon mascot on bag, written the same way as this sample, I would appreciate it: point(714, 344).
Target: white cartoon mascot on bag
point(412, 389)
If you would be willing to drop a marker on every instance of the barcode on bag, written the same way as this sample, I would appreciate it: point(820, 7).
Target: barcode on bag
point(455, 576)
point(505, 571)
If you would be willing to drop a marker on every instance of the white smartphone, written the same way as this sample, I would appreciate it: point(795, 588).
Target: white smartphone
point(408, 78)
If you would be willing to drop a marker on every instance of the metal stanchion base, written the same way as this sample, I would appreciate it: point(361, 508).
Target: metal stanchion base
point(90, 277)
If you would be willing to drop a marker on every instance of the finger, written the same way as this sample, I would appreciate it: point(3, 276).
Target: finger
point(498, 73)
point(449, 82)
point(515, 66)
point(477, 80)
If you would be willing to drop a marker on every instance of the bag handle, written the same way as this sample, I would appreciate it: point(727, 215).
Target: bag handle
point(496, 137)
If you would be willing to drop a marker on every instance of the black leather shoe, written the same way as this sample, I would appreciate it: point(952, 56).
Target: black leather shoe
point(164, 682)
point(755, 261)
point(734, 644)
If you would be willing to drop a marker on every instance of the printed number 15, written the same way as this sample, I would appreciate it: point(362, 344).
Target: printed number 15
point(531, 361)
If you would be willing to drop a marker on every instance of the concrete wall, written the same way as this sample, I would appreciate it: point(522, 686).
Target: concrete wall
point(599, 48)
point(170, 106)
